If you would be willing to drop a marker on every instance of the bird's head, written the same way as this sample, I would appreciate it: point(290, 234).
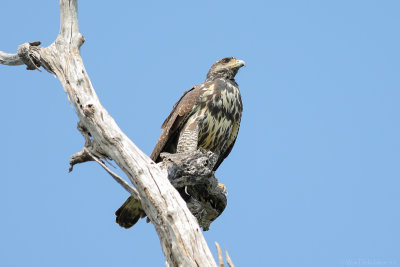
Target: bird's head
point(225, 68)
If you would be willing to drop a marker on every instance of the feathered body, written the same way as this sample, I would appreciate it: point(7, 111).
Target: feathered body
point(207, 116)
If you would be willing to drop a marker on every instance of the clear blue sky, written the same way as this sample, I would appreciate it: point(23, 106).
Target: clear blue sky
point(314, 178)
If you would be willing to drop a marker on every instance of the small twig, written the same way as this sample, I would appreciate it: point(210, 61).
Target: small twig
point(220, 258)
point(228, 259)
point(110, 163)
point(79, 157)
point(118, 179)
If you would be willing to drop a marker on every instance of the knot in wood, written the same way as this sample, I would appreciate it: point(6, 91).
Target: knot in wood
point(29, 53)
point(89, 110)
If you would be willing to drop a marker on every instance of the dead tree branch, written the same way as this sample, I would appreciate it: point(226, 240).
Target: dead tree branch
point(221, 258)
point(181, 239)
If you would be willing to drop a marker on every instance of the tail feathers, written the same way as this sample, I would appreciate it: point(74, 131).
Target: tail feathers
point(129, 213)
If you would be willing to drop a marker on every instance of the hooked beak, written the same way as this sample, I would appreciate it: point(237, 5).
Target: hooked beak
point(240, 63)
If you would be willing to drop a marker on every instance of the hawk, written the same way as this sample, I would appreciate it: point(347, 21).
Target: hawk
point(207, 116)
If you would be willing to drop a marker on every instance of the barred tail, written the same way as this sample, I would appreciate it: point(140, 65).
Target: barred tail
point(129, 213)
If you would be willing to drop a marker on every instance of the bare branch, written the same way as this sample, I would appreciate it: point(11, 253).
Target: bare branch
point(220, 258)
point(180, 235)
point(118, 179)
point(79, 157)
point(228, 259)
point(10, 59)
point(85, 156)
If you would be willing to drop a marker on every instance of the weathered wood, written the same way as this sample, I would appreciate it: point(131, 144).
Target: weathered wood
point(181, 239)
point(221, 258)
point(10, 59)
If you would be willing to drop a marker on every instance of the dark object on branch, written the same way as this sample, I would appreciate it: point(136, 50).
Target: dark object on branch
point(191, 173)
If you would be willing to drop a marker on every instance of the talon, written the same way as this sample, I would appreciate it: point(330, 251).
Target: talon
point(186, 191)
point(223, 188)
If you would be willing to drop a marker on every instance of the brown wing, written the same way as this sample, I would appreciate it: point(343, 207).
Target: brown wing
point(176, 119)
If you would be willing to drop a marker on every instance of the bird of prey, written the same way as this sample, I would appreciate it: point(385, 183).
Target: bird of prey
point(207, 116)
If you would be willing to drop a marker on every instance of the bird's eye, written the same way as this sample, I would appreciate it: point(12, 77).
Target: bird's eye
point(226, 60)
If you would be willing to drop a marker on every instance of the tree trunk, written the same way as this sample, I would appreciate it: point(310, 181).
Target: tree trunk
point(181, 238)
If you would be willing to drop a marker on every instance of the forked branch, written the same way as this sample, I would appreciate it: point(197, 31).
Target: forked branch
point(182, 241)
